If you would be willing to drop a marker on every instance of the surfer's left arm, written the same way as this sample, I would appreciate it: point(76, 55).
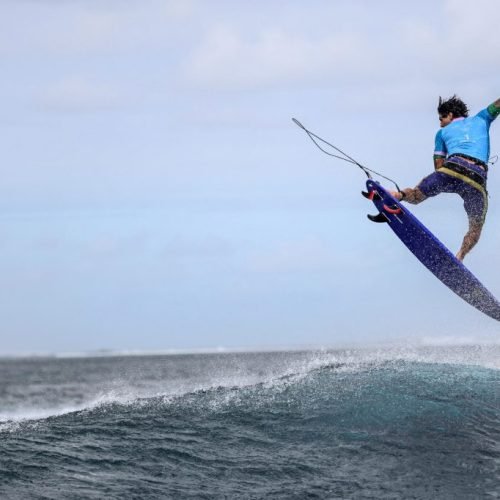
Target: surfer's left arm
point(494, 109)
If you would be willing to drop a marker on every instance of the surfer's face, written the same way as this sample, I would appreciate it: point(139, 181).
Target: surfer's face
point(445, 119)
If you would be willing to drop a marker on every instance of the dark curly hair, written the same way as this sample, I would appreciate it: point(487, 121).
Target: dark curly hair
point(453, 105)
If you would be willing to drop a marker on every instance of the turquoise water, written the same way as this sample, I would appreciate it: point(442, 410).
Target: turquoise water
point(415, 423)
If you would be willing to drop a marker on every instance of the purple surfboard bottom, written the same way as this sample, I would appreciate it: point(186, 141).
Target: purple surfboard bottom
point(432, 253)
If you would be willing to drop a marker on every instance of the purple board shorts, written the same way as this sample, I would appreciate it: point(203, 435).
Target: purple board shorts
point(471, 190)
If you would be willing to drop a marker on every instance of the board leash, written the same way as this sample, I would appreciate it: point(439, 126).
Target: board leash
point(345, 157)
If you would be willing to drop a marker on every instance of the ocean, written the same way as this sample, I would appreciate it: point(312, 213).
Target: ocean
point(389, 423)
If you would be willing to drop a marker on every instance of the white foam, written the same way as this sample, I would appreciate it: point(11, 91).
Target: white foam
point(278, 375)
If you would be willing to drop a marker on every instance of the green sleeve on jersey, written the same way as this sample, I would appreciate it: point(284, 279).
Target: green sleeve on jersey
point(438, 157)
point(493, 110)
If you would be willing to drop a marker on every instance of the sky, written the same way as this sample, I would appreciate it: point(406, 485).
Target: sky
point(155, 194)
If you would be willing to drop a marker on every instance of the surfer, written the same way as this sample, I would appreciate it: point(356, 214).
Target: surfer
point(461, 153)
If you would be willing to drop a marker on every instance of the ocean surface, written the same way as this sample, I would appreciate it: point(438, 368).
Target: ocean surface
point(381, 423)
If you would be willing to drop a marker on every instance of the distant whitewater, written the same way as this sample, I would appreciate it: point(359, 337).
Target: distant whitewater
point(416, 423)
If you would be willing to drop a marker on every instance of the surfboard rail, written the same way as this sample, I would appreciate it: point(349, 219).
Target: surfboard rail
point(431, 252)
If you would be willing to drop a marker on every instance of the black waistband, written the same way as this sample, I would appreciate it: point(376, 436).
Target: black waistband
point(471, 159)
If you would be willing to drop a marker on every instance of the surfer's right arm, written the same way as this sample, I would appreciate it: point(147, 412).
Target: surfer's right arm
point(438, 162)
point(439, 150)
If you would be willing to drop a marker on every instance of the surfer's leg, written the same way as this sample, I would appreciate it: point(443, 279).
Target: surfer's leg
point(470, 239)
point(431, 185)
point(476, 206)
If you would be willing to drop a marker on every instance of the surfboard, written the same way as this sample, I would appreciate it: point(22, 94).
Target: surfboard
point(430, 251)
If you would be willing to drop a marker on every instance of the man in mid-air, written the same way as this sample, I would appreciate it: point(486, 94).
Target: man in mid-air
point(461, 155)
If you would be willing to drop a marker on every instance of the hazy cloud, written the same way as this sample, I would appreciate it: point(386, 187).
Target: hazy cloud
point(83, 28)
point(155, 136)
point(227, 59)
point(462, 46)
point(78, 93)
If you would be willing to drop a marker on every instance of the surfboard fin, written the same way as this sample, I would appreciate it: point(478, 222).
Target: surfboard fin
point(372, 195)
point(380, 217)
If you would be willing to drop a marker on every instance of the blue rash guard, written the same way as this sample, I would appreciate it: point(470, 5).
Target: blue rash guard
point(468, 136)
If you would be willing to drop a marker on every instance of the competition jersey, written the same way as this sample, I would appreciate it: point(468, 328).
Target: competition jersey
point(468, 136)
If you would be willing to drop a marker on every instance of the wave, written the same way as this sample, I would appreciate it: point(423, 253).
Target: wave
point(350, 424)
point(309, 374)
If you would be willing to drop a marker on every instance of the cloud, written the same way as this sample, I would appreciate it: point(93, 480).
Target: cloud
point(226, 58)
point(386, 49)
point(79, 93)
point(53, 27)
point(463, 46)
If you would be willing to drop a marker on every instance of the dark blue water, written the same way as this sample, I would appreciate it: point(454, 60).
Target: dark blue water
point(420, 423)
